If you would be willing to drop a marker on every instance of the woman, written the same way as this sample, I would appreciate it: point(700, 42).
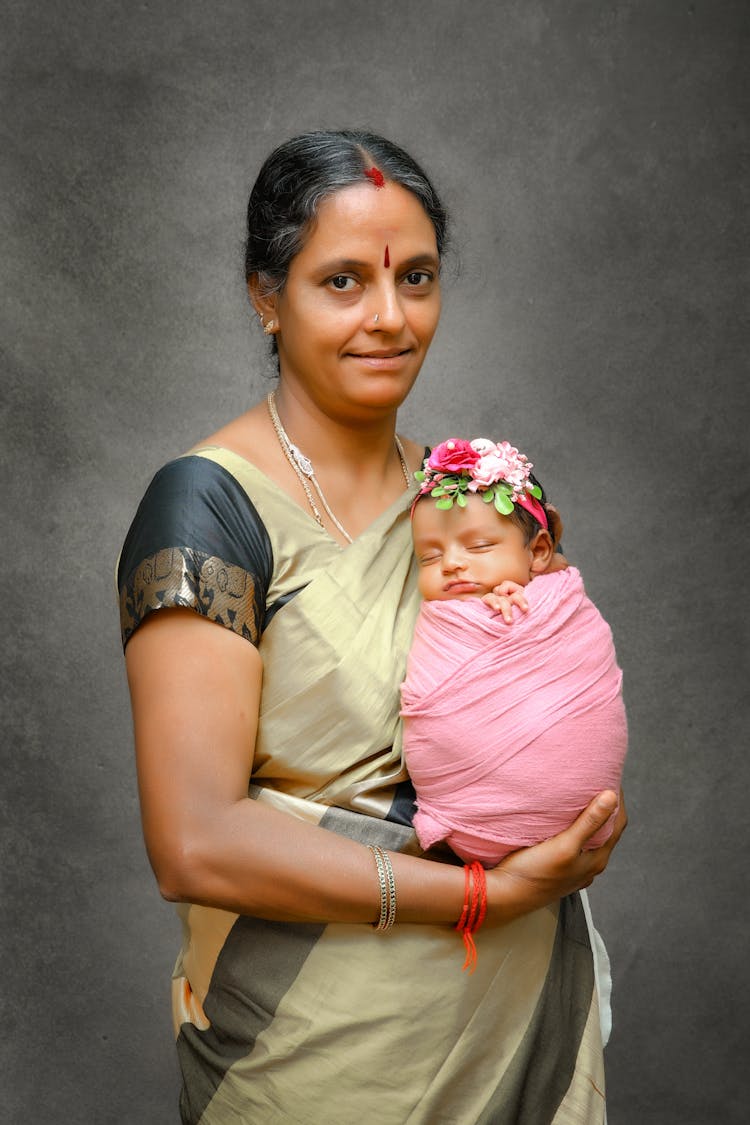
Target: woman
point(291, 593)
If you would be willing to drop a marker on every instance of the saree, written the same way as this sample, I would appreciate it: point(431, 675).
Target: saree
point(313, 1024)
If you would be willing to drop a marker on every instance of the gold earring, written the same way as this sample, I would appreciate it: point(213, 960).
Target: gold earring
point(268, 328)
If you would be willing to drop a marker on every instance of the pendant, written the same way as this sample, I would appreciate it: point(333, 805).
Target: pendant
point(304, 463)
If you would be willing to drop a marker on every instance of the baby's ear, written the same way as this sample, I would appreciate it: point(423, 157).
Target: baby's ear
point(555, 523)
point(542, 549)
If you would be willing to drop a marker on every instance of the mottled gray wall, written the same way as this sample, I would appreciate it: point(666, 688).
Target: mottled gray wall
point(592, 152)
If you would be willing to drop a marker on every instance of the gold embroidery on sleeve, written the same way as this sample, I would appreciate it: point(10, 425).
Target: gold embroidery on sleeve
point(180, 576)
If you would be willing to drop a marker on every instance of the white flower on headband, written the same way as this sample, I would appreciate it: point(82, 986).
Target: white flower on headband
point(482, 445)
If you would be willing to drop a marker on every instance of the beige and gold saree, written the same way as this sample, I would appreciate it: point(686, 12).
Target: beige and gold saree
point(338, 1024)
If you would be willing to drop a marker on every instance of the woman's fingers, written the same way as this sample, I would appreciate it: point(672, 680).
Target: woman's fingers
point(590, 821)
point(619, 826)
point(596, 813)
point(621, 821)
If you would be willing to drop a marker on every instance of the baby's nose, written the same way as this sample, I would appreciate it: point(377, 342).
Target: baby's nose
point(453, 559)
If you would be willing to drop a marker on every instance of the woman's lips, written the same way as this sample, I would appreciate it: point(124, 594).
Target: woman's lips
point(389, 360)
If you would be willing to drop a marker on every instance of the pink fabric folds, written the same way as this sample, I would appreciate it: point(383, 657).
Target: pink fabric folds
point(510, 730)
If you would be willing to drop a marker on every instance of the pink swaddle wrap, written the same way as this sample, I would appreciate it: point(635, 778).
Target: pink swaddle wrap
point(510, 730)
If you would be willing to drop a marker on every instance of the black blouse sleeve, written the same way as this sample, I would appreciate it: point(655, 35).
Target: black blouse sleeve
point(196, 541)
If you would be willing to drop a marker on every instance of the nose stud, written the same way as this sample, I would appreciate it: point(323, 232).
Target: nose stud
point(376, 318)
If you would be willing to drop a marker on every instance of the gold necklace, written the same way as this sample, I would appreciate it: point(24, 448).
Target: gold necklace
point(304, 471)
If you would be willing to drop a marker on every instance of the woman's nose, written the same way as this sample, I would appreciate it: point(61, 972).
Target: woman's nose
point(386, 313)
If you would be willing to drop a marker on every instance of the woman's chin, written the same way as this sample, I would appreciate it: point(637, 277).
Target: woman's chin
point(385, 392)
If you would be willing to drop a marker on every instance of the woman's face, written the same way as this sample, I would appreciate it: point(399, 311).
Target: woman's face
point(371, 251)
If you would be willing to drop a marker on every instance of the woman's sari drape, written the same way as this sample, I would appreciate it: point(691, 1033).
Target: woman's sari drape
point(336, 1024)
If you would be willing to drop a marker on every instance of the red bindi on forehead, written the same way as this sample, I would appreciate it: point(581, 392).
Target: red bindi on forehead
point(386, 259)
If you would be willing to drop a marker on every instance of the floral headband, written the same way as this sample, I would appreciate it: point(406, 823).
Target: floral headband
point(499, 473)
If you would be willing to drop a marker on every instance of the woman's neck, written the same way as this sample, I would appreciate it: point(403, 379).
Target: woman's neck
point(355, 471)
point(356, 463)
point(338, 443)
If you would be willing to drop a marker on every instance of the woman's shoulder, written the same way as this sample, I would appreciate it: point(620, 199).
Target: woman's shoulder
point(196, 540)
point(203, 493)
point(194, 500)
point(243, 441)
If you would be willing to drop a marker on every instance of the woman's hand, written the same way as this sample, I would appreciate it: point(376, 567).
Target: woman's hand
point(536, 876)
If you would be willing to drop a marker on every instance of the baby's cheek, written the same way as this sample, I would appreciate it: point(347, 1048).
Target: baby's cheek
point(424, 583)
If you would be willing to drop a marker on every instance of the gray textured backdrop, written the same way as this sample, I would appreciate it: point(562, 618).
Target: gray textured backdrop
point(592, 153)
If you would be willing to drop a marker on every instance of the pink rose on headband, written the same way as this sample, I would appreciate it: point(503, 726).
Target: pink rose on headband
point(453, 456)
point(517, 465)
point(498, 462)
point(489, 469)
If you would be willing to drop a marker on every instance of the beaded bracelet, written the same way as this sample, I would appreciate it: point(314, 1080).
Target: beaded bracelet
point(387, 884)
point(474, 910)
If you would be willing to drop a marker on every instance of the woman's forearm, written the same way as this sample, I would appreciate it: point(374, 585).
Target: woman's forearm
point(196, 693)
point(254, 859)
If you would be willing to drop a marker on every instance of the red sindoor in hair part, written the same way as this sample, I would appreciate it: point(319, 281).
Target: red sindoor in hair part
point(376, 176)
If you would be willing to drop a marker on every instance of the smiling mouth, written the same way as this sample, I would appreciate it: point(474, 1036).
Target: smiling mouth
point(388, 353)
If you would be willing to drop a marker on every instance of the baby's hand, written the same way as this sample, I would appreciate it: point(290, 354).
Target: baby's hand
point(503, 597)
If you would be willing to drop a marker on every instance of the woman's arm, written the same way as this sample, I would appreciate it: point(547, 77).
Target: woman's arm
point(195, 689)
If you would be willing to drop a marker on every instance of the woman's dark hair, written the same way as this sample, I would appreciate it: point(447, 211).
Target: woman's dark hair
point(304, 171)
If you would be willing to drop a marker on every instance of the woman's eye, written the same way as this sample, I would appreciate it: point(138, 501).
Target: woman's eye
point(342, 282)
point(418, 278)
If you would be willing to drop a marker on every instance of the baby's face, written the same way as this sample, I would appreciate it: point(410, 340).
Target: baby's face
point(464, 552)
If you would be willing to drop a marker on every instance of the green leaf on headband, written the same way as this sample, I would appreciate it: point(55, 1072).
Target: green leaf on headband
point(444, 503)
point(536, 492)
point(503, 504)
point(419, 475)
point(438, 490)
point(461, 500)
point(488, 497)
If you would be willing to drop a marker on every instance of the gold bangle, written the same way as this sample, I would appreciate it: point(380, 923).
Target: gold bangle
point(390, 920)
point(387, 884)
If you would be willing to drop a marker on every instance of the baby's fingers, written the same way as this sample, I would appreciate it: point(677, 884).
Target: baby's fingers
point(500, 604)
point(503, 597)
